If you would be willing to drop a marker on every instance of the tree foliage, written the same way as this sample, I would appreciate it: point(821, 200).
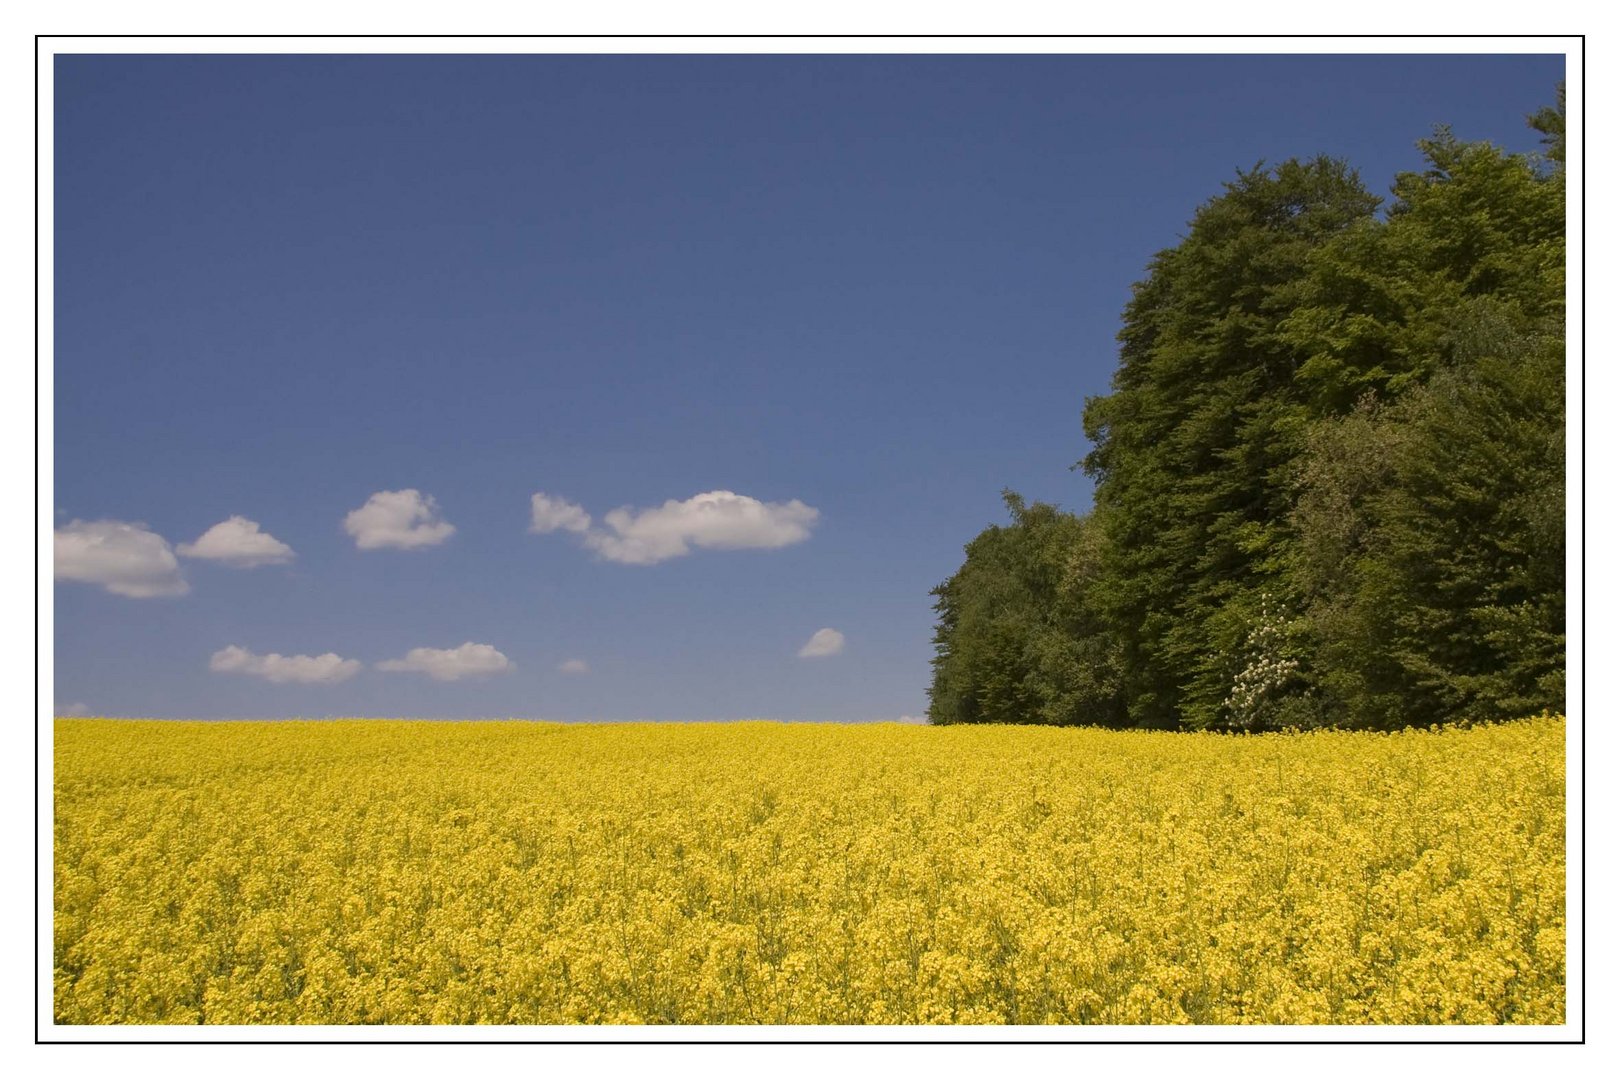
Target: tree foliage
point(1205, 415)
point(1020, 637)
point(1329, 475)
point(1431, 541)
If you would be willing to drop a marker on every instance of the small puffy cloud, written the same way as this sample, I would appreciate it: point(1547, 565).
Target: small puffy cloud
point(824, 642)
point(397, 519)
point(574, 667)
point(122, 557)
point(548, 514)
point(714, 519)
point(447, 665)
point(325, 668)
point(236, 541)
point(911, 720)
point(76, 708)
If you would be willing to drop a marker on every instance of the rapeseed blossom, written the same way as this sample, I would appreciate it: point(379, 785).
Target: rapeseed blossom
point(412, 872)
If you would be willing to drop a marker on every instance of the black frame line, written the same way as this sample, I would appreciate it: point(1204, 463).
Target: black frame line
point(39, 39)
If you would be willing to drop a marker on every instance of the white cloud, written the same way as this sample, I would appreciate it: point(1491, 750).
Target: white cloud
point(574, 667)
point(448, 665)
point(122, 557)
point(77, 708)
point(325, 668)
point(824, 642)
point(548, 514)
point(911, 720)
point(397, 519)
point(714, 519)
point(236, 541)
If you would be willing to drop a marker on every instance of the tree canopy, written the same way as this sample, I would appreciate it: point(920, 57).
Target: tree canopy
point(1329, 473)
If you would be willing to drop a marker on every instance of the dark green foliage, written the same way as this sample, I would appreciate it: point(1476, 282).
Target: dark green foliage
point(1205, 417)
point(1431, 541)
point(1379, 307)
point(1329, 474)
point(1019, 638)
point(1427, 550)
point(1549, 120)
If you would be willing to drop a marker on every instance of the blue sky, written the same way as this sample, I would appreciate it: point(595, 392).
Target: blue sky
point(863, 294)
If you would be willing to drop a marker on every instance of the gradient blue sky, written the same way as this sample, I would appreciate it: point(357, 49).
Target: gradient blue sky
point(883, 286)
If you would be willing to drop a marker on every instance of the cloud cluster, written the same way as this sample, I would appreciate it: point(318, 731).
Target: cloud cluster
point(713, 519)
point(548, 514)
point(130, 560)
point(326, 668)
point(448, 665)
point(236, 541)
point(122, 557)
point(397, 519)
point(824, 642)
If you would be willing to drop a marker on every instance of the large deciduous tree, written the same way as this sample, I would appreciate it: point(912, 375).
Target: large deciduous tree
point(1020, 638)
point(1206, 415)
point(1329, 474)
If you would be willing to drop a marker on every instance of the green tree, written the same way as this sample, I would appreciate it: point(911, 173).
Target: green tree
point(1380, 307)
point(1019, 637)
point(1549, 120)
point(1427, 553)
point(1431, 540)
point(1329, 473)
point(1193, 445)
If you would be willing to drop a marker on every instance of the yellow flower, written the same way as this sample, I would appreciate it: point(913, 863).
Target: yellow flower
point(416, 872)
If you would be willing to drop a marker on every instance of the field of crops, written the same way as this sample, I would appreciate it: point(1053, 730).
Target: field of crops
point(407, 872)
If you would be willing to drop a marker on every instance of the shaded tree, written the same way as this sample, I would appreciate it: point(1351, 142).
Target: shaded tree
point(1329, 471)
point(1204, 418)
point(1019, 637)
point(1431, 540)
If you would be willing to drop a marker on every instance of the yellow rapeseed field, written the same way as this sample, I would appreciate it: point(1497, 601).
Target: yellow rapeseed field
point(411, 872)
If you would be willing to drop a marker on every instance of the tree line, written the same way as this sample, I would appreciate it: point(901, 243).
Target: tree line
point(1329, 478)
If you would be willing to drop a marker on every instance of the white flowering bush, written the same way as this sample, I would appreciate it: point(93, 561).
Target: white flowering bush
point(1266, 672)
